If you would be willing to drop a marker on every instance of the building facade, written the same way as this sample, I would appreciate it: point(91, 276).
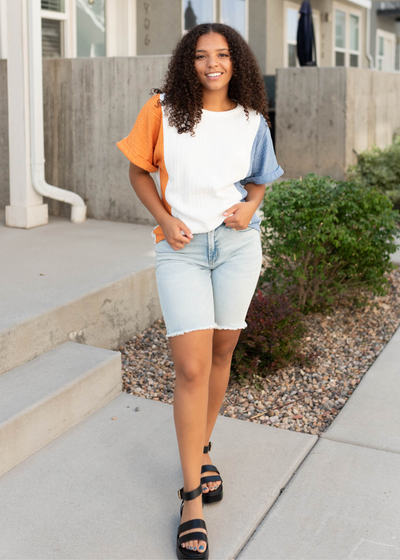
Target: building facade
point(385, 35)
point(350, 33)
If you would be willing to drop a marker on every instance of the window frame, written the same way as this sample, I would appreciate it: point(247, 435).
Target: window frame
point(316, 16)
point(57, 16)
point(347, 51)
point(380, 33)
point(68, 27)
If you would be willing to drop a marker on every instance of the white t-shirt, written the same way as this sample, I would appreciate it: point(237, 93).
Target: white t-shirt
point(201, 176)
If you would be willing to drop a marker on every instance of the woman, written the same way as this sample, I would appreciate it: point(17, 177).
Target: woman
point(206, 133)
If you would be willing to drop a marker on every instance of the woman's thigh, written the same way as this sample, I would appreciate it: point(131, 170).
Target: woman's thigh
point(235, 279)
point(184, 287)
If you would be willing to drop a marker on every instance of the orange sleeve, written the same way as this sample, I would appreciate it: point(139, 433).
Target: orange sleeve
point(140, 143)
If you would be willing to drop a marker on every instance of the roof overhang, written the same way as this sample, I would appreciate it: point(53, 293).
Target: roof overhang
point(392, 12)
point(362, 3)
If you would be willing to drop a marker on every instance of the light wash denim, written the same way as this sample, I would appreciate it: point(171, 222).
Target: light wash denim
point(210, 282)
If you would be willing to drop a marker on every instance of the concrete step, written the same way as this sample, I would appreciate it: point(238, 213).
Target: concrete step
point(92, 283)
point(107, 488)
point(44, 397)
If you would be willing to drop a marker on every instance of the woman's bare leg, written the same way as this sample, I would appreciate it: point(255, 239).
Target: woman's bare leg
point(224, 343)
point(192, 356)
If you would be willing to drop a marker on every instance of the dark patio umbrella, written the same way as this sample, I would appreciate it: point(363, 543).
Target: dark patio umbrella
point(305, 37)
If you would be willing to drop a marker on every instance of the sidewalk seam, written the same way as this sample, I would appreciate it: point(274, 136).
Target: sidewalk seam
point(282, 490)
point(359, 445)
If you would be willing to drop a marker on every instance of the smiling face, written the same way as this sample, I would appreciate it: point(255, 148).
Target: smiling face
point(212, 62)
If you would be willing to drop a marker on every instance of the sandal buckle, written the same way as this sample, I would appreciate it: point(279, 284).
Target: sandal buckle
point(209, 446)
point(180, 494)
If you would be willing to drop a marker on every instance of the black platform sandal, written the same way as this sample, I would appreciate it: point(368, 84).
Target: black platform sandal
point(212, 495)
point(184, 553)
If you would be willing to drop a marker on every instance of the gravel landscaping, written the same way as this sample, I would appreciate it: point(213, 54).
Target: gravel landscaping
point(343, 344)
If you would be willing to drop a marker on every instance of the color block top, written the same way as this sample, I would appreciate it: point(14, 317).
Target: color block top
point(201, 176)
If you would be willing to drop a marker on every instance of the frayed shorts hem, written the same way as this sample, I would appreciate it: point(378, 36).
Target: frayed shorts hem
point(214, 326)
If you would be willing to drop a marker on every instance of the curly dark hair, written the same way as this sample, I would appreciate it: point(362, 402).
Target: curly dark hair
point(183, 91)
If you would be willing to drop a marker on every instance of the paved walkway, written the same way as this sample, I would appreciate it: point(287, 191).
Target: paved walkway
point(107, 487)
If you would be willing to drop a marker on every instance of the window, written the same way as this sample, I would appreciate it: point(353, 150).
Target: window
point(292, 16)
point(385, 50)
point(91, 28)
point(347, 37)
point(197, 11)
point(291, 20)
point(234, 13)
point(53, 19)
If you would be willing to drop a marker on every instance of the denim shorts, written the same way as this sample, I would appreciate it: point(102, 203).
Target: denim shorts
point(210, 282)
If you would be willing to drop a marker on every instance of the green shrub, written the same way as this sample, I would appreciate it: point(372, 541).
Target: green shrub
point(379, 168)
point(324, 238)
point(271, 339)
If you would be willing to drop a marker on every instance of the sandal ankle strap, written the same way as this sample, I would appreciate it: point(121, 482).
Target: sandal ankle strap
point(207, 448)
point(190, 495)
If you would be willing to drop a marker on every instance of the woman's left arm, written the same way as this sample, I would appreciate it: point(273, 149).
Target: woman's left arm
point(242, 212)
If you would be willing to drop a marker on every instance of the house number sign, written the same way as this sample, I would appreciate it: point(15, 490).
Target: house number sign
point(147, 8)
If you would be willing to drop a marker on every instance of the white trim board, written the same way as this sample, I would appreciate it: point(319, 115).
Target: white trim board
point(363, 3)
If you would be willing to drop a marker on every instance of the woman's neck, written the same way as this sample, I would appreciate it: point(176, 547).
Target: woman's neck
point(217, 101)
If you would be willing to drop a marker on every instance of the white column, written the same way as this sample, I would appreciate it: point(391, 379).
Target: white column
point(3, 29)
point(120, 27)
point(26, 208)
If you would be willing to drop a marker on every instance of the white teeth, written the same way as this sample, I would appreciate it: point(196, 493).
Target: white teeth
point(215, 74)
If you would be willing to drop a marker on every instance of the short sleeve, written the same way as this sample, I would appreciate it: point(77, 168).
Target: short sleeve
point(263, 165)
point(140, 143)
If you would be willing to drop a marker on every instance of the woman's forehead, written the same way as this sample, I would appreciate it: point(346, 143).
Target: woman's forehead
point(212, 41)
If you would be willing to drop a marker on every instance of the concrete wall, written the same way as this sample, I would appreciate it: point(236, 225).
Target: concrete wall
point(4, 152)
point(90, 104)
point(323, 114)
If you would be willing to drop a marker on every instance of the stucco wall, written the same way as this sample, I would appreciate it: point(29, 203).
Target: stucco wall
point(324, 114)
point(158, 26)
point(257, 31)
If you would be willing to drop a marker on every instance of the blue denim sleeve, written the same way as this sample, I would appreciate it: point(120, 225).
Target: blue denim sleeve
point(263, 165)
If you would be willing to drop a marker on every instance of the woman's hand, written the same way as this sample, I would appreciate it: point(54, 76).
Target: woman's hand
point(241, 215)
point(176, 232)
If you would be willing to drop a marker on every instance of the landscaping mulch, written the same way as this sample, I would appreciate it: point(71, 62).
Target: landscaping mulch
point(342, 346)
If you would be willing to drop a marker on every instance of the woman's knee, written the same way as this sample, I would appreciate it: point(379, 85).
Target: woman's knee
point(192, 354)
point(192, 372)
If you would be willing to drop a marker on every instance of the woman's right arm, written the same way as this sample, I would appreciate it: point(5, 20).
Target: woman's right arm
point(146, 190)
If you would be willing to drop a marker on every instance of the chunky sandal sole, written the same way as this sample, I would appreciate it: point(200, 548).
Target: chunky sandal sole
point(184, 553)
point(211, 496)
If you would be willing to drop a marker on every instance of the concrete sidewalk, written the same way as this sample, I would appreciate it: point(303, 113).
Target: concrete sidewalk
point(107, 487)
point(344, 502)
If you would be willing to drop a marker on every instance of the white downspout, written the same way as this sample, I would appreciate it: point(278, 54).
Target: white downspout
point(78, 210)
point(368, 40)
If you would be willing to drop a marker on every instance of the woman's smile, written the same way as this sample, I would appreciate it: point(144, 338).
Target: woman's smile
point(214, 75)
